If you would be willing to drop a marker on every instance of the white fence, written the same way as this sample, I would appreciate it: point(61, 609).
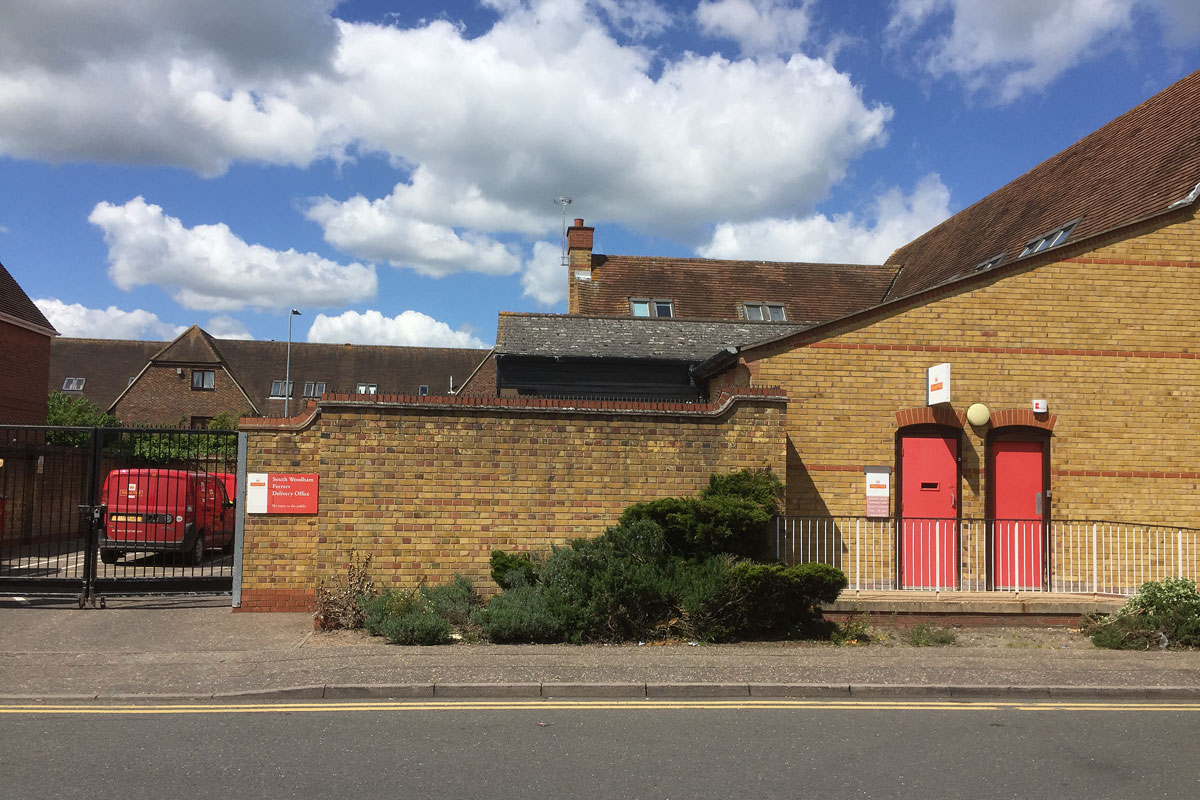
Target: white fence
point(978, 555)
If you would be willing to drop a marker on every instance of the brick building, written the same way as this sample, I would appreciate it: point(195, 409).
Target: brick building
point(1053, 446)
point(25, 336)
point(197, 377)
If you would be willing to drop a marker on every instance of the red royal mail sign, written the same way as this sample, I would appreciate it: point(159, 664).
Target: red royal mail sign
point(281, 493)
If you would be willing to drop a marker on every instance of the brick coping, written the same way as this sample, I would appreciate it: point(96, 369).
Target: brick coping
point(716, 407)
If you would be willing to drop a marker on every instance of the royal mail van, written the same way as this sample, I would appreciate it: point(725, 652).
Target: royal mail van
point(165, 510)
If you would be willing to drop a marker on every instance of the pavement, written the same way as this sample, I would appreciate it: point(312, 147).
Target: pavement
point(197, 649)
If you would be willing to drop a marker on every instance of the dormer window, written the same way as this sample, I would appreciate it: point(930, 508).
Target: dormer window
point(1047, 240)
point(644, 307)
point(764, 312)
point(994, 261)
point(74, 384)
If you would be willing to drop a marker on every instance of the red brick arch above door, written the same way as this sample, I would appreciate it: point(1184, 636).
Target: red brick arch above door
point(1024, 417)
point(930, 415)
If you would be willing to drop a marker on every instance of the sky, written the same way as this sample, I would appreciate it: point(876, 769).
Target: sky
point(390, 169)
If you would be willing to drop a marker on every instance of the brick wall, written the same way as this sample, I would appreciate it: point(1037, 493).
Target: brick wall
point(24, 373)
point(430, 486)
point(163, 397)
point(1108, 337)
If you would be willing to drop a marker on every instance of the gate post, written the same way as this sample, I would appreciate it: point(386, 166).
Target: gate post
point(94, 519)
point(239, 516)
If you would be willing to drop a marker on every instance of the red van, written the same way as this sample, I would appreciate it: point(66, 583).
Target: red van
point(165, 510)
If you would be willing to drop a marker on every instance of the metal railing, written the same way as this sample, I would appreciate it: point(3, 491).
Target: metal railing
point(975, 555)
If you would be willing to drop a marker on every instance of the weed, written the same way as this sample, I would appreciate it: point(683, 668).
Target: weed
point(337, 599)
point(925, 635)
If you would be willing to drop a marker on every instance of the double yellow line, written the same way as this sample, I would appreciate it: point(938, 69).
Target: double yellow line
point(335, 706)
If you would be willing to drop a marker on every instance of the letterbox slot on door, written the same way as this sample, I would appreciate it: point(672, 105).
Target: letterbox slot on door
point(929, 486)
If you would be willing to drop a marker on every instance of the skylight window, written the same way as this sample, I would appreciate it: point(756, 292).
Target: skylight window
point(367, 388)
point(282, 388)
point(314, 388)
point(764, 312)
point(994, 261)
point(74, 384)
point(644, 307)
point(1047, 240)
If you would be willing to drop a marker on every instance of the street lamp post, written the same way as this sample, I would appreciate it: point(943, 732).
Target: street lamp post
point(287, 373)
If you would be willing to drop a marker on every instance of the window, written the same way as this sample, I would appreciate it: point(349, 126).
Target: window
point(641, 307)
point(199, 423)
point(764, 312)
point(314, 388)
point(991, 262)
point(73, 384)
point(423, 389)
point(204, 380)
point(367, 388)
point(279, 389)
point(1047, 240)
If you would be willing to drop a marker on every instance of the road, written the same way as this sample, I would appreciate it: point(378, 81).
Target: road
point(601, 749)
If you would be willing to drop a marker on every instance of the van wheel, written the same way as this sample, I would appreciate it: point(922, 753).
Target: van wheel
point(196, 554)
point(110, 556)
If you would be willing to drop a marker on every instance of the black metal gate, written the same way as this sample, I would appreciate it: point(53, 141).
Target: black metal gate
point(96, 511)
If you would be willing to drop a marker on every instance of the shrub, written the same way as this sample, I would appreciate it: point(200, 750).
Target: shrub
point(337, 599)
point(416, 628)
point(453, 601)
point(709, 600)
point(759, 486)
point(379, 609)
point(1162, 613)
point(525, 614)
point(780, 599)
point(513, 569)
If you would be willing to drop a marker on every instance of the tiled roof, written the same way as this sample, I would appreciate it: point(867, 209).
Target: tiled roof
point(715, 289)
point(16, 304)
point(1135, 166)
point(627, 337)
point(398, 370)
point(108, 364)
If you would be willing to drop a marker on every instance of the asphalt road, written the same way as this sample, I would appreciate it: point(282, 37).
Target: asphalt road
point(601, 749)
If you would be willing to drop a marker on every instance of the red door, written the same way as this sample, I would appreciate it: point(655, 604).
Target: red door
point(1017, 535)
point(929, 512)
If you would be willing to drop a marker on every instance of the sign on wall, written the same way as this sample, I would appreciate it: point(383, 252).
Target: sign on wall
point(879, 491)
point(281, 493)
point(937, 384)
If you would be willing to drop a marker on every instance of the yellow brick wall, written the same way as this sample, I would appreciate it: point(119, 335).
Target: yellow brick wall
point(1109, 338)
point(430, 491)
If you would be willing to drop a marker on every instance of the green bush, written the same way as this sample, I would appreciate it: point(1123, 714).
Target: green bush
point(759, 486)
point(526, 614)
point(377, 610)
point(416, 628)
point(1162, 614)
point(510, 570)
point(454, 601)
point(709, 600)
point(781, 599)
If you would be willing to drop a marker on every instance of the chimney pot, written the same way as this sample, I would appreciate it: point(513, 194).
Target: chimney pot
point(578, 222)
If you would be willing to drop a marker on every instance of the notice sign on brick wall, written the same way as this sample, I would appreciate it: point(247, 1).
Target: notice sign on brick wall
point(281, 493)
point(879, 491)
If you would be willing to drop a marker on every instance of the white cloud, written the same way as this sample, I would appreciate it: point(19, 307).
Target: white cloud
point(896, 219)
point(411, 328)
point(637, 19)
point(223, 326)
point(208, 267)
point(546, 102)
point(1006, 49)
point(545, 278)
point(760, 27)
point(77, 320)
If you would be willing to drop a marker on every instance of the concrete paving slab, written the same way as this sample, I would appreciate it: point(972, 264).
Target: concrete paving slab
point(382, 691)
point(485, 690)
point(799, 690)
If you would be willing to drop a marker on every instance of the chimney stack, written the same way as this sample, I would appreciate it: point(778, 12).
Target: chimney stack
point(579, 262)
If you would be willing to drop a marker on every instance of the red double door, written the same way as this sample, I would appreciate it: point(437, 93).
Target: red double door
point(929, 511)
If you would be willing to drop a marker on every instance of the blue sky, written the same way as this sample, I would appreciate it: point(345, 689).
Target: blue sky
point(390, 168)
